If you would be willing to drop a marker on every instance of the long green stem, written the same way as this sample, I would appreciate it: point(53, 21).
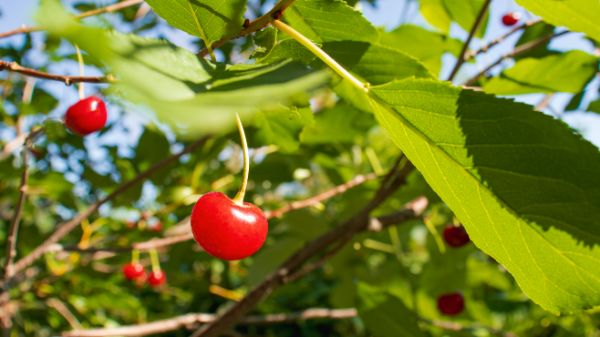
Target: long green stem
point(154, 261)
point(239, 197)
point(318, 52)
point(81, 70)
point(135, 256)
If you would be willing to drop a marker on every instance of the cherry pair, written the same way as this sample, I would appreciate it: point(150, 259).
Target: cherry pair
point(136, 272)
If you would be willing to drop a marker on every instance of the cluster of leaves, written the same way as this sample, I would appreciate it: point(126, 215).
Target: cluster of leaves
point(524, 185)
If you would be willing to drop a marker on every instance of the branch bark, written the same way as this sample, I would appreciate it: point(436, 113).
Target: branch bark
point(344, 233)
point(500, 39)
point(66, 227)
point(191, 320)
point(67, 80)
point(461, 58)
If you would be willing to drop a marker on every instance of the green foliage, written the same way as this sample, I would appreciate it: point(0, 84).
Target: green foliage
point(532, 75)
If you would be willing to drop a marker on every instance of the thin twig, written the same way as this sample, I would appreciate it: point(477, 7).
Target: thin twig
point(515, 52)
point(19, 141)
point(253, 26)
point(471, 54)
point(64, 311)
point(11, 241)
point(340, 189)
point(345, 231)
point(65, 228)
point(461, 57)
point(191, 320)
point(112, 8)
point(67, 80)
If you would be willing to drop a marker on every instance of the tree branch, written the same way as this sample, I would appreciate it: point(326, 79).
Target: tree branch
point(253, 26)
point(461, 58)
point(191, 320)
point(11, 240)
point(471, 54)
point(356, 223)
point(67, 80)
point(515, 52)
point(65, 228)
point(112, 8)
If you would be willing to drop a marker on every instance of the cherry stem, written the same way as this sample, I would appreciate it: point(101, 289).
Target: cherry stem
point(80, 61)
point(154, 261)
point(239, 197)
point(135, 256)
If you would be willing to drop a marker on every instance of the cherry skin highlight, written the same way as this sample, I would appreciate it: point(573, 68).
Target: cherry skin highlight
point(86, 116)
point(451, 304)
point(156, 279)
point(511, 19)
point(456, 236)
point(133, 271)
point(227, 230)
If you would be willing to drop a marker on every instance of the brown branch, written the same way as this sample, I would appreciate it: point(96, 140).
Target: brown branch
point(11, 241)
point(68, 80)
point(253, 26)
point(18, 141)
point(344, 232)
point(515, 52)
point(191, 320)
point(64, 311)
point(461, 57)
point(65, 228)
point(500, 39)
point(112, 8)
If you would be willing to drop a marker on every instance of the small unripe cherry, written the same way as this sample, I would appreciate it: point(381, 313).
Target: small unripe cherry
point(511, 18)
point(456, 236)
point(132, 271)
point(226, 229)
point(86, 116)
point(157, 278)
point(451, 304)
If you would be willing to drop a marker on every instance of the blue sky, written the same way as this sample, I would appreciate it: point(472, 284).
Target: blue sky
point(386, 14)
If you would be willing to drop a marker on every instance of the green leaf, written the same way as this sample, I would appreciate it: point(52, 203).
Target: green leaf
point(264, 42)
point(465, 12)
point(426, 46)
point(340, 124)
point(577, 15)
point(209, 20)
point(436, 14)
point(385, 315)
point(329, 20)
point(282, 127)
point(523, 184)
point(533, 33)
point(568, 72)
point(594, 106)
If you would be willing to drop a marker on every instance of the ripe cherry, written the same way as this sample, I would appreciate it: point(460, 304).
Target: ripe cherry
point(511, 18)
point(451, 304)
point(155, 226)
point(456, 236)
point(157, 278)
point(133, 271)
point(228, 230)
point(86, 116)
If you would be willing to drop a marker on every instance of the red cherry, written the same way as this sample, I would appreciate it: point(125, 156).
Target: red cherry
point(451, 304)
point(510, 19)
point(157, 278)
point(227, 230)
point(86, 116)
point(456, 236)
point(132, 271)
point(156, 227)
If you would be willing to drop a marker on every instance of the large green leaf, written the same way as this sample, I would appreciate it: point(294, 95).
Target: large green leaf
point(568, 72)
point(465, 12)
point(209, 20)
point(329, 20)
point(524, 185)
point(577, 15)
point(436, 14)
